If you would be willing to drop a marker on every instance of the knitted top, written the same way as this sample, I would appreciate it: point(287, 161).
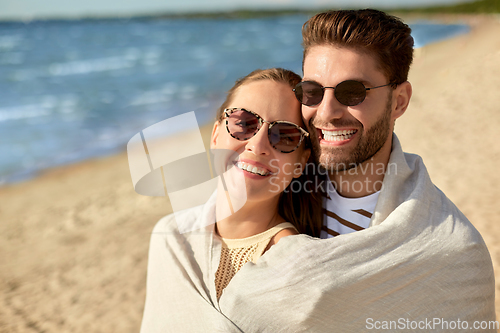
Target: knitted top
point(237, 252)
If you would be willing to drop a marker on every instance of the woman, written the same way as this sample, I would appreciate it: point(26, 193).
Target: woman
point(254, 206)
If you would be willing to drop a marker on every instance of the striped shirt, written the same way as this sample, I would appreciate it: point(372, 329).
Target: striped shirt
point(345, 215)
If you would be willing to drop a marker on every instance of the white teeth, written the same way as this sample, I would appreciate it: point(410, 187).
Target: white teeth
point(252, 169)
point(338, 135)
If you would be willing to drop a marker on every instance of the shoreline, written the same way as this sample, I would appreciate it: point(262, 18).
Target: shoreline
point(32, 173)
point(76, 237)
point(28, 176)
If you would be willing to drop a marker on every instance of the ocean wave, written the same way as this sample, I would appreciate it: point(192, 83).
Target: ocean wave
point(165, 94)
point(47, 106)
point(89, 66)
point(22, 112)
point(151, 97)
point(151, 56)
point(10, 41)
point(79, 67)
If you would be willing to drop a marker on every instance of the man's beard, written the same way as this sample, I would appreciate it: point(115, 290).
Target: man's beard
point(340, 158)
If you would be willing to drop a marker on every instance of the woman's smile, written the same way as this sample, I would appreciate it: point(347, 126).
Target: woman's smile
point(253, 168)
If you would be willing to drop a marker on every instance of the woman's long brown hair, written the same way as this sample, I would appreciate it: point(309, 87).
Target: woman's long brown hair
point(301, 203)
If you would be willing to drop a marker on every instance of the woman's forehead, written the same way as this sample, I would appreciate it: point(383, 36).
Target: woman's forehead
point(270, 99)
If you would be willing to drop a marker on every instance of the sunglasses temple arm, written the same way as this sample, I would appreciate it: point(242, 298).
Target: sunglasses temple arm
point(385, 85)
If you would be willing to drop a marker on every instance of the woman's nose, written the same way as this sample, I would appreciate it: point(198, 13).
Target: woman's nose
point(259, 143)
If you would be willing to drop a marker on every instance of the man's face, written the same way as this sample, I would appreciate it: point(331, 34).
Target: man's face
point(345, 136)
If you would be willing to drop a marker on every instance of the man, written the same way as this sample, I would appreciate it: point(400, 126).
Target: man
point(404, 257)
point(353, 142)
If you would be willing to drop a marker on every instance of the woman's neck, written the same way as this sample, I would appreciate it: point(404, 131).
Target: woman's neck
point(251, 219)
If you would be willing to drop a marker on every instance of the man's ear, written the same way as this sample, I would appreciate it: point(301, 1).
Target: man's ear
point(400, 99)
point(215, 135)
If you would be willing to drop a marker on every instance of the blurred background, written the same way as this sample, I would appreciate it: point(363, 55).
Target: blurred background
point(79, 79)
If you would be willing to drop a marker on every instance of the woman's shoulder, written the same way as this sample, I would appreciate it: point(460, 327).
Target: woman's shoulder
point(284, 229)
point(285, 232)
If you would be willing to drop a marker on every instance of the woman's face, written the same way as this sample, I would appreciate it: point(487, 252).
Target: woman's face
point(264, 171)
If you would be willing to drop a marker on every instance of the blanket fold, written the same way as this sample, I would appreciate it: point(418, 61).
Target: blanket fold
point(420, 260)
point(180, 295)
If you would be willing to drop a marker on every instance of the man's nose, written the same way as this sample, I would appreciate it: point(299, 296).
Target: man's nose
point(330, 108)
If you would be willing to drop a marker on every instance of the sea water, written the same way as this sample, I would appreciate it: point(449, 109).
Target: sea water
point(77, 89)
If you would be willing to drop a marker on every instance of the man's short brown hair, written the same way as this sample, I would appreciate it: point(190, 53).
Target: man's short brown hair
point(370, 31)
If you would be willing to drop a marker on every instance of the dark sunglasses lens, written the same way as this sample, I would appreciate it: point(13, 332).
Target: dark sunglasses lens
point(242, 124)
point(350, 93)
point(309, 93)
point(284, 137)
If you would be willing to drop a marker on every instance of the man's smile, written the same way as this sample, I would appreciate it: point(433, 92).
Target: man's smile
point(335, 137)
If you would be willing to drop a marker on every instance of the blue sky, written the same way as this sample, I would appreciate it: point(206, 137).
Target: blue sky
point(28, 9)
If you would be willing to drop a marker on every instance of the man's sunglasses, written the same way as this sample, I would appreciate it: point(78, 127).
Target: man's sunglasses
point(283, 136)
point(348, 92)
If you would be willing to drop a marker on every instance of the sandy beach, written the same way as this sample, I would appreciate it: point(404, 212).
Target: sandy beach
point(74, 240)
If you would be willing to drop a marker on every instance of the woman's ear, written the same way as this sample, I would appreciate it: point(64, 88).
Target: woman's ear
point(215, 135)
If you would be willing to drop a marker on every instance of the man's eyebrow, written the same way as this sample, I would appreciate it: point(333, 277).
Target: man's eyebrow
point(365, 82)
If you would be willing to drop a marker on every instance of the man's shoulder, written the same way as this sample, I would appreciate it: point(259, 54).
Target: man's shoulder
point(409, 195)
point(456, 223)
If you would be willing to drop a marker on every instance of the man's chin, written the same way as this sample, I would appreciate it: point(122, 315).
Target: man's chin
point(337, 166)
point(335, 163)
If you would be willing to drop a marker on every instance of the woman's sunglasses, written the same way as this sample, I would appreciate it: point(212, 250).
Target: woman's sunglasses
point(348, 92)
point(283, 136)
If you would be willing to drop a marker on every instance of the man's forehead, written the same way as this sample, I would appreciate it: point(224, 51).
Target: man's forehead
point(323, 61)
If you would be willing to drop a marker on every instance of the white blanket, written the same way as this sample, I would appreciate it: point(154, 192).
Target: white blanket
point(420, 266)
